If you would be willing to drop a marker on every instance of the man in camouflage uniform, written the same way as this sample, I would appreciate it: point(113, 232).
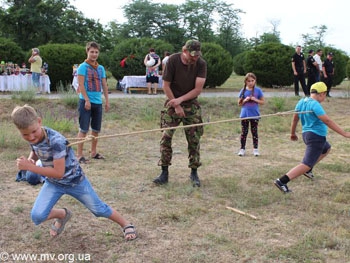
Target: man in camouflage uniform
point(183, 81)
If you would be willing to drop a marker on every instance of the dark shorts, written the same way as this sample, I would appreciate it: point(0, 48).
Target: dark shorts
point(315, 146)
point(152, 79)
point(94, 115)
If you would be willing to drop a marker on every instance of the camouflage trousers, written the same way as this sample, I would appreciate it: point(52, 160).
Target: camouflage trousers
point(169, 118)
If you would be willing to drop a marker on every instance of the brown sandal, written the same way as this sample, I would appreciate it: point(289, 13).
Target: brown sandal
point(128, 235)
point(63, 222)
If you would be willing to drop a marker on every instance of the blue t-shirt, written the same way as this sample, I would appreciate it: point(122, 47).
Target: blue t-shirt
point(251, 108)
point(54, 146)
point(92, 81)
point(310, 121)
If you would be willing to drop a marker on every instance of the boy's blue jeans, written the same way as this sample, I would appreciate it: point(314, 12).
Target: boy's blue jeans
point(50, 193)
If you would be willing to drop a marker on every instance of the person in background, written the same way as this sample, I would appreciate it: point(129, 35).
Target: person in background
point(24, 69)
point(165, 60)
point(152, 62)
point(315, 123)
point(312, 70)
point(92, 81)
point(2, 67)
point(35, 68)
point(317, 58)
point(17, 69)
point(328, 72)
point(183, 82)
point(299, 70)
point(75, 83)
point(63, 173)
point(250, 97)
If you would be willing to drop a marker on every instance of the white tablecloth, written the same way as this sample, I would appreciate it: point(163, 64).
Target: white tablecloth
point(137, 82)
point(23, 82)
point(75, 83)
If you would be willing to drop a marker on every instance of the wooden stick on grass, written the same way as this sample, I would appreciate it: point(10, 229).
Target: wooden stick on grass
point(241, 212)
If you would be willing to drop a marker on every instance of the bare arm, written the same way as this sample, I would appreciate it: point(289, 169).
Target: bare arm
point(324, 72)
point(145, 60)
point(105, 93)
point(293, 67)
point(81, 89)
point(332, 125)
point(32, 58)
point(189, 95)
point(260, 101)
point(57, 171)
point(32, 156)
point(175, 102)
point(293, 127)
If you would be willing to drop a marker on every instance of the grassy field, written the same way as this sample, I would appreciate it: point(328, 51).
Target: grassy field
point(176, 222)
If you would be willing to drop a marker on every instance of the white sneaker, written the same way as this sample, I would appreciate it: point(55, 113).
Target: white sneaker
point(241, 152)
point(256, 152)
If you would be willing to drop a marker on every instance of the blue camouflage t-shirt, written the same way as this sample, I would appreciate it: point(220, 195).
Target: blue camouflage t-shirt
point(54, 146)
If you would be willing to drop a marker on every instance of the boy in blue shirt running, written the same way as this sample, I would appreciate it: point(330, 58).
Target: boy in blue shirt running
point(315, 125)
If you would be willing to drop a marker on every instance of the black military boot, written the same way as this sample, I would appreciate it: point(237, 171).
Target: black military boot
point(163, 177)
point(194, 178)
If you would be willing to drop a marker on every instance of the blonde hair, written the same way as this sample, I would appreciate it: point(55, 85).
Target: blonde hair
point(24, 116)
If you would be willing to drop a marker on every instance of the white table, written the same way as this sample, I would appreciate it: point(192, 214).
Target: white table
point(137, 82)
point(23, 82)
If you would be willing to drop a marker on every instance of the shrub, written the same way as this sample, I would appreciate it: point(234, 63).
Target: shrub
point(61, 58)
point(271, 63)
point(219, 64)
point(348, 69)
point(10, 51)
point(238, 63)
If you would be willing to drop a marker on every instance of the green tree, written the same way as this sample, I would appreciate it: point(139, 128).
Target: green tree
point(149, 20)
point(38, 22)
point(10, 51)
point(219, 64)
point(169, 24)
point(198, 18)
point(239, 62)
point(61, 58)
point(229, 36)
point(315, 40)
point(271, 63)
point(141, 15)
point(269, 38)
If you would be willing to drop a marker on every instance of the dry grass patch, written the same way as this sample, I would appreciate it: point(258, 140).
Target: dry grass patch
point(179, 223)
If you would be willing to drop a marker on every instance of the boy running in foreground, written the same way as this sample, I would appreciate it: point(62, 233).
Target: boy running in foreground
point(314, 130)
point(63, 175)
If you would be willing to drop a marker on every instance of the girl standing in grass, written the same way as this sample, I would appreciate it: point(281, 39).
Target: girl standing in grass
point(250, 97)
